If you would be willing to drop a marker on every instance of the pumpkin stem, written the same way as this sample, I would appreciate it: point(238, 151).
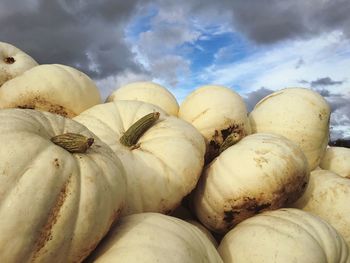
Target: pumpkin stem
point(133, 134)
point(73, 142)
point(9, 60)
point(230, 140)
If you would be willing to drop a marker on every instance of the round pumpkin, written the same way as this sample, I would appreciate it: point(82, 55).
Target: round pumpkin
point(217, 112)
point(162, 165)
point(13, 62)
point(61, 188)
point(328, 196)
point(337, 160)
point(300, 114)
point(153, 237)
point(147, 91)
point(284, 235)
point(54, 88)
point(261, 172)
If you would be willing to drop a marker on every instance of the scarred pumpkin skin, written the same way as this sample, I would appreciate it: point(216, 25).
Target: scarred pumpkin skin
point(299, 114)
point(13, 62)
point(165, 163)
point(55, 205)
point(54, 88)
point(284, 235)
point(261, 172)
point(153, 237)
point(149, 92)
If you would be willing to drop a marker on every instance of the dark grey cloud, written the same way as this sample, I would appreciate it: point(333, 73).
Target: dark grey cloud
point(83, 34)
point(269, 21)
point(252, 98)
point(325, 81)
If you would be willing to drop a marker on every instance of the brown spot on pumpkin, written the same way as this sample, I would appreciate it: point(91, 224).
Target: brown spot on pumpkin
point(56, 162)
point(9, 60)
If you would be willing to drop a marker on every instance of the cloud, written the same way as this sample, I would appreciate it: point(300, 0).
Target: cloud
point(83, 34)
point(252, 98)
point(325, 81)
point(270, 21)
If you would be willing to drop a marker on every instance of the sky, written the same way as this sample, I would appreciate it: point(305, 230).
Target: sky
point(253, 47)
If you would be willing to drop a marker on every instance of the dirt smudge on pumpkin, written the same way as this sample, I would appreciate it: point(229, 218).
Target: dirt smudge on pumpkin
point(214, 144)
point(56, 163)
point(42, 104)
point(46, 232)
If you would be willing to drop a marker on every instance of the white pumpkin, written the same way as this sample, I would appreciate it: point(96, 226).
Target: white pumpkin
point(337, 159)
point(300, 114)
point(13, 62)
point(216, 111)
point(153, 237)
point(261, 172)
point(55, 205)
point(328, 196)
point(162, 166)
point(55, 88)
point(281, 236)
point(147, 91)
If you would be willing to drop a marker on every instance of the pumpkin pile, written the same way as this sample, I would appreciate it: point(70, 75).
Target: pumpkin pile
point(140, 178)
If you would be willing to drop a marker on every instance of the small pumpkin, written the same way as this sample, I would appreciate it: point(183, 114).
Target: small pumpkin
point(284, 235)
point(261, 172)
point(299, 114)
point(147, 91)
point(216, 111)
point(54, 88)
point(163, 155)
point(13, 62)
point(328, 196)
point(153, 237)
point(61, 188)
point(337, 160)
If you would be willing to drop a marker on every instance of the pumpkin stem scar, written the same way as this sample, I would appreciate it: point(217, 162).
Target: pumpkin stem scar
point(73, 142)
point(133, 134)
point(9, 60)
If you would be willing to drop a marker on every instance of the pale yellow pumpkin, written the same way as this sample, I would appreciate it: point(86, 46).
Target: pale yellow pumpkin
point(300, 114)
point(337, 159)
point(55, 88)
point(328, 196)
point(13, 62)
point(162, 166)
point(55, 205)
point(153, 237)
point(281, 236)
point(147, 91)
point(216, 111)
point(261, 172)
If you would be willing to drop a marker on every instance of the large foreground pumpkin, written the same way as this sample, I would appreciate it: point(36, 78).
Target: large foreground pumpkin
point(55, 205)
point(162, 165)
point(261, 172)
point(153, 237)
point(284, 235)
point(300, 114)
